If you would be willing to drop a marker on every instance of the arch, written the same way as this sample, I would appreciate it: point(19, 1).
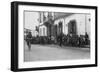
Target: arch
point(72, 28)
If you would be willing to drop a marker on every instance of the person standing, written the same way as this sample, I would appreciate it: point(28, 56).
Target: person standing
point(86, 38)
point(28, 40)
point(60, 40)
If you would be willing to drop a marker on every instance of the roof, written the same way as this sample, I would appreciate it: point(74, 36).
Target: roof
point(58, 15)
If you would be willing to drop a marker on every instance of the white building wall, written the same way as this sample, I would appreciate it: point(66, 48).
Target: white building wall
point(60, 20)
point(82, 23)
point(88, 24)
point(42, 32)
point(34, 33)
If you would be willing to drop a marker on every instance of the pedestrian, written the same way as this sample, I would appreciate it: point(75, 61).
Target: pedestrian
point(60, 40)
point(28, 40)
point(86, 38)
point(79, 39)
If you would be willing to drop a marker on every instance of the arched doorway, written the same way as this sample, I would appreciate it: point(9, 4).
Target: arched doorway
point(72, 29)
point(60, 27)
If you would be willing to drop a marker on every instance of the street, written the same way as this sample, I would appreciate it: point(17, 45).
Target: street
point(54, 52)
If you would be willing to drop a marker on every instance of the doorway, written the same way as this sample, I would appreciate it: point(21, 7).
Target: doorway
point(72, 29)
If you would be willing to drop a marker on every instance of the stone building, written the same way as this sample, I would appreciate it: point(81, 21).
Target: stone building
point(54, 23)
point(78, 24)
point(47, 23)
point(42, 30)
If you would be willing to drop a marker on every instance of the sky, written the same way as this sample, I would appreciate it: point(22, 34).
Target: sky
point(31, 19)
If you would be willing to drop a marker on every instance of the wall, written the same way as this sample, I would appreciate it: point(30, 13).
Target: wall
point(56, 22)
point(34, 33)
point(82, 23)
point(5, 38)
point(42, 30)
point(88, 25)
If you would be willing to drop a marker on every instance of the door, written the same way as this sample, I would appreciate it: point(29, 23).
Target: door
point(72, 27)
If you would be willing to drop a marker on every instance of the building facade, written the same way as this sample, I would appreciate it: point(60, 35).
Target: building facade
point(46, 24)
point(42, 30)
point(53, 24)
point(78, 24)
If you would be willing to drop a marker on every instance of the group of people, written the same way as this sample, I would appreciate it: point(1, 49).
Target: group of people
point(73, 40)
point(59, 39)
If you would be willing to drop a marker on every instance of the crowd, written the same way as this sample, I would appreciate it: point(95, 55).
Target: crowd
point(66, 40)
